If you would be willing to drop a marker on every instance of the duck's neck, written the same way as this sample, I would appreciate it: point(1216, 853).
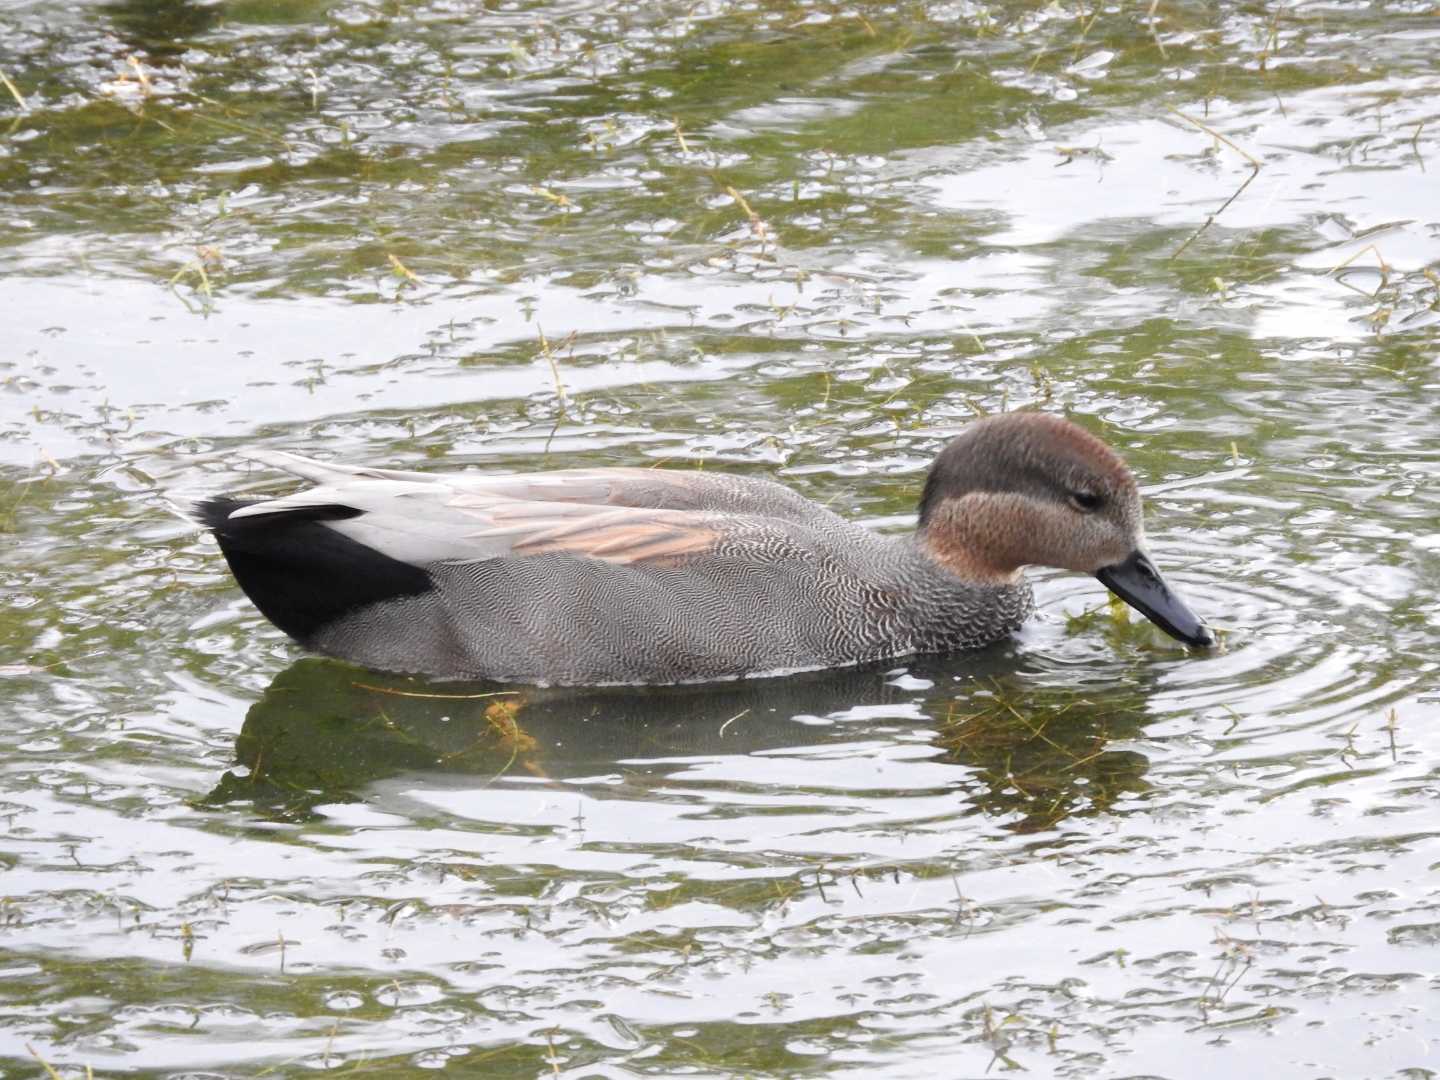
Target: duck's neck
point(947, 604)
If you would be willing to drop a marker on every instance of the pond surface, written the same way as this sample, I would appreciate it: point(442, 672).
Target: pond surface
point(796, 240)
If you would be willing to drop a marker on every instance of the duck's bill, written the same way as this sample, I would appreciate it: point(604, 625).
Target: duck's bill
point(1139, 584)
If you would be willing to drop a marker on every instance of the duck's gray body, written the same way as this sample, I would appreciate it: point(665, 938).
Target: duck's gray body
point(600, 576)
point(758, 604)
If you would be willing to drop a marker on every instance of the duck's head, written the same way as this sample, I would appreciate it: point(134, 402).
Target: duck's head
point(1030, 489)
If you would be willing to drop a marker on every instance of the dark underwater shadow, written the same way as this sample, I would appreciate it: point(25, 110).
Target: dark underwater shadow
point(161, 29)
point(1027, 743)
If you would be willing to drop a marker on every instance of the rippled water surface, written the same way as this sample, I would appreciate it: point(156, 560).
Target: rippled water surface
point(798, 240)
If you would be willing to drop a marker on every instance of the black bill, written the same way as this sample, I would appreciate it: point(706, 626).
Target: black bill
point(1139, 584)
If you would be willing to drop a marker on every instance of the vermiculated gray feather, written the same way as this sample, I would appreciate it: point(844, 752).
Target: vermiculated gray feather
point(742, 610)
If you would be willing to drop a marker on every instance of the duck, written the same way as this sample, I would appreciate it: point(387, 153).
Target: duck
point(626, 575)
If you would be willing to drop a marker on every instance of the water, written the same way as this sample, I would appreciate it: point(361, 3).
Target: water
point(1081, 853)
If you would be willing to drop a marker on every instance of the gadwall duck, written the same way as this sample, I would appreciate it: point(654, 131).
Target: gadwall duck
point(628, 575)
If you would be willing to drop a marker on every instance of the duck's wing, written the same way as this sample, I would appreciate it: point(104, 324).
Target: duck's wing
point(424, 523)
point(657, 489)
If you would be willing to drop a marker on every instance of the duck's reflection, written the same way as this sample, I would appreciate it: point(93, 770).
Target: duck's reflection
point(1027, 744)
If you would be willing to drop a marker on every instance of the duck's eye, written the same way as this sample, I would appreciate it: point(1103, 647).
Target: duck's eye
point(1086, 502)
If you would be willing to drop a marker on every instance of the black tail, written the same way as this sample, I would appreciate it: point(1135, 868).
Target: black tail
point(300, 574)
